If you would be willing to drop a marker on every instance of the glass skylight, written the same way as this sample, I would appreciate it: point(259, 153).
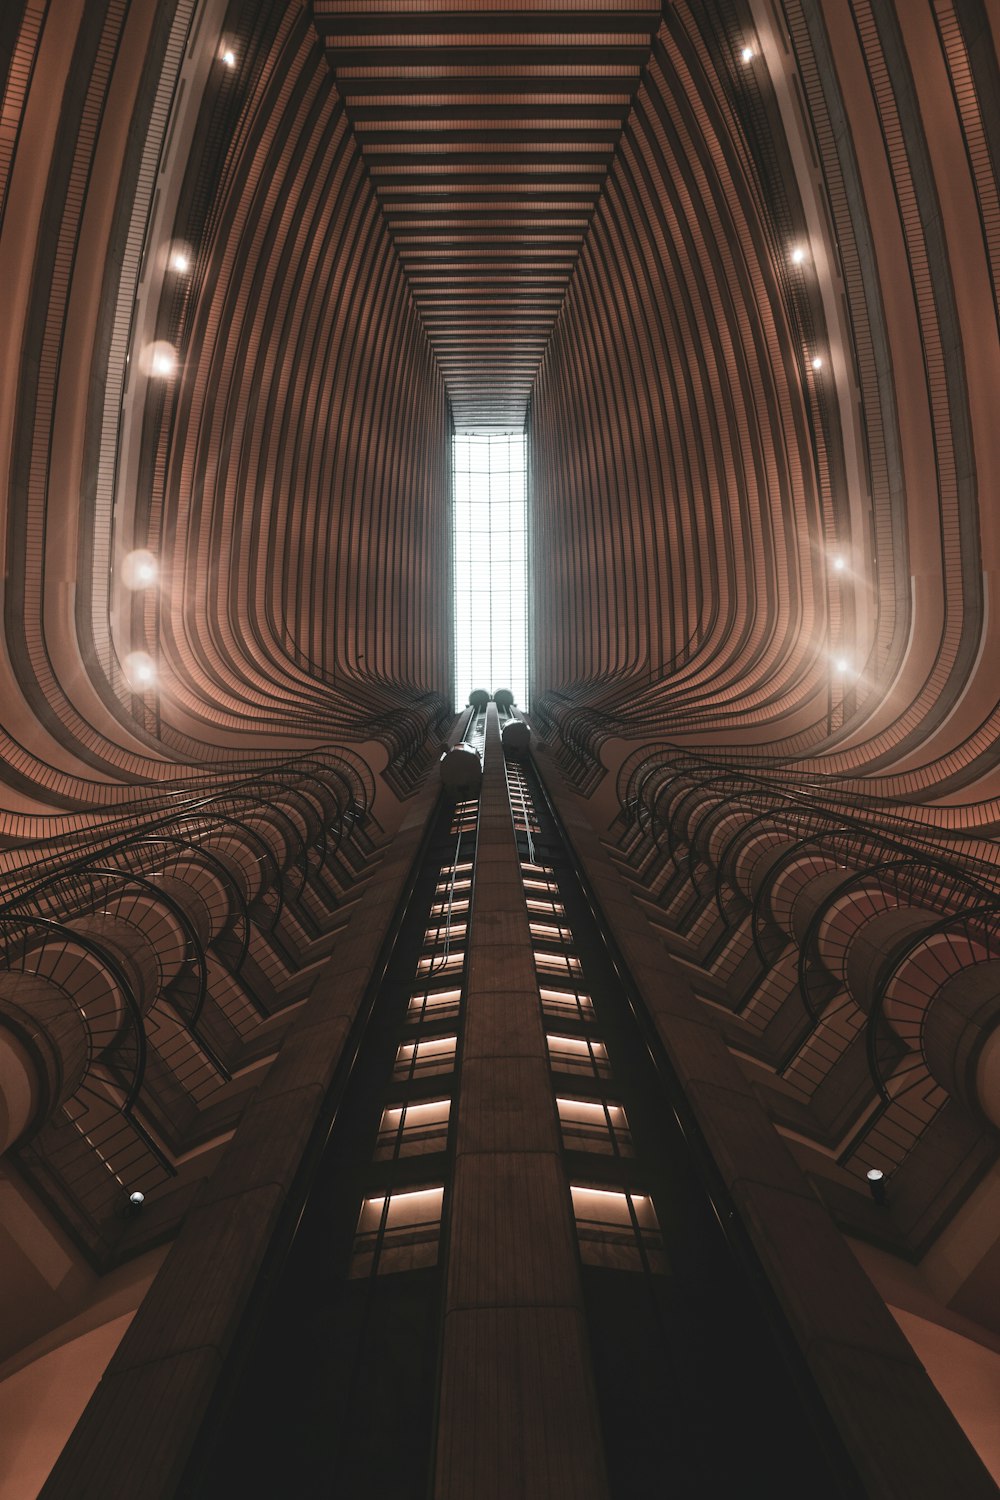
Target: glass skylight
point(491, 565)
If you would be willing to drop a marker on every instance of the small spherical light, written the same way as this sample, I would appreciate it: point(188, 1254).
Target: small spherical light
point(842, 665)
point(817, 362)
point(798, 256)
point(140, 670)
point(180, 262)
point(161, 360)
point(229, 57)
point(139, 569)
point(839, 565)
point(875, 1174)
point(748, 54)
point(137, 1199)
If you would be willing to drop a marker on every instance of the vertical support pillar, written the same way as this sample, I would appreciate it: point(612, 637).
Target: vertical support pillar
point(518, 1417)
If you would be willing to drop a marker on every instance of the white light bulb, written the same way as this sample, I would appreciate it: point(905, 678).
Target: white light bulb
point(747, 54)
point(163, 363)
point(839, 564)
point(139, 569)
point(140, 670)
point(817, 363)
point(798, 255)
point(179, 262)
point(229, 57)
point(842, 666)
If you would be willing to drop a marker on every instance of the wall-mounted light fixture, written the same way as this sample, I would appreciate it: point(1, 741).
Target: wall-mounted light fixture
point(876, 1184)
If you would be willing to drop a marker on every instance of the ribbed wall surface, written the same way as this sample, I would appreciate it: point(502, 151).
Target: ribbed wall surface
point(488, 131)
point(696, 477)
point(383, 214)
point(735, 263)
point(290, 478)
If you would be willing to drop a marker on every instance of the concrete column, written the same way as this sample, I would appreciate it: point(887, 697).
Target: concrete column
point(518, 1418)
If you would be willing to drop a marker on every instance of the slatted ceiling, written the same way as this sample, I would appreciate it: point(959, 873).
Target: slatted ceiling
point(488, 130)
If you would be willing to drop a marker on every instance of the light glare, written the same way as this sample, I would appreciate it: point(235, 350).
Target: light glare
point(140, 671)
point(162, 360)
point(747, 54)
point(139, 569)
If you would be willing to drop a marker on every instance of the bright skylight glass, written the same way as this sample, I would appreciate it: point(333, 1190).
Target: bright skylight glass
point(491, 565)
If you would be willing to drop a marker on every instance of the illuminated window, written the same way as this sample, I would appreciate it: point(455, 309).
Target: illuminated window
point(398, 1232)
point(578, 1054)
point(434, 1054)
point(521, 805)
point(558, 963)
point(567, 1003)
point(594, 1125)
point(550, 932)
point(617, 1229)
point(462, 871)
point(545, 908)
point(439, 963)
point(491, 565)
point(413, 1129)
point(443, 929)
point(432, 1005)
point(458, 905)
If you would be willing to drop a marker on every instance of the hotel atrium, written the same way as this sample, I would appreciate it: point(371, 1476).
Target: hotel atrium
point(499, 749)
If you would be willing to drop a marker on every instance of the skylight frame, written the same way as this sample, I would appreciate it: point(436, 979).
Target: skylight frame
point(490, 564)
